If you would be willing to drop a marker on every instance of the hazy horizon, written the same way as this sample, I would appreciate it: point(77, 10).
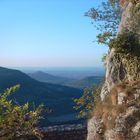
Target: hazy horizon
point(55, 68)
point(69, 72)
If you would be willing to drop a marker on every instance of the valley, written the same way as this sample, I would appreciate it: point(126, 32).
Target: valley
point(55, 92)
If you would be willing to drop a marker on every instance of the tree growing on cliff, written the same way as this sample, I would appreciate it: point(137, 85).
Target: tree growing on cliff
point(106, 19)
point(17, 122)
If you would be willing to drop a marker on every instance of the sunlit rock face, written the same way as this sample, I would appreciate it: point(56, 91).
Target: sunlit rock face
point(127, 124)
point(115, 73)
point(125, 16)
point(115, 68)
point(95, 129)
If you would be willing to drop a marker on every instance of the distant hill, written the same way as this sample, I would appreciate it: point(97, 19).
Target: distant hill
point(56, 97)
point(45, 77)
point(77, 83)
point(86, 82)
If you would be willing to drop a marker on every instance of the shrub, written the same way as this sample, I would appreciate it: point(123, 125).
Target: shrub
point(126, 42)
point(17, 122)
point(88, 101)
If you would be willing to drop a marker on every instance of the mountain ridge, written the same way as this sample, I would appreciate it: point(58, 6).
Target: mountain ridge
point(56, 97)
point(49, 78)
point(81, 83)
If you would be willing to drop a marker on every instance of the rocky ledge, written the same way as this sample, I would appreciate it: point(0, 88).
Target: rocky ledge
point(65, 132)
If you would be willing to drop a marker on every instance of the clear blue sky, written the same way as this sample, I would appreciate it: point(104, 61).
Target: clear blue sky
point(48, 33)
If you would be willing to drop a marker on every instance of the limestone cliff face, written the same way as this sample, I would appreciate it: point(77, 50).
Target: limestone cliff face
point(115, 67)
point(127, 125)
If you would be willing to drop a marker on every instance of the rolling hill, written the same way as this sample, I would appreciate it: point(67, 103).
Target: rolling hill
point(86, 82)
point(56, 97)
point(48, 78)
point(76, 83)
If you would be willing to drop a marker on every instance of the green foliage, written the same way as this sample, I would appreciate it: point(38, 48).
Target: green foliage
point(113, 2)
point(107, 18)
point(87, 101)
point(105, 37)
point(104, 58)
point(134, 1)
point(17, 122)
point(126, 42)
point(134, 19)
point(130, 63)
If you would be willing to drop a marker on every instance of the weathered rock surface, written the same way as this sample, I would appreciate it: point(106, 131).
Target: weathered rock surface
point(65, 132)
point(127, 127)
point(127, 124)
point(95, 129)
point(115, 66)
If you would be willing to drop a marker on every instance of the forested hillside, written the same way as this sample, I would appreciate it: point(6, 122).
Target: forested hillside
point(57, 98)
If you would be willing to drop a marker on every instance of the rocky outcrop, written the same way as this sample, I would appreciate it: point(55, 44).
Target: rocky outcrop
point(127, 127)
point(115, 73)
point(65, 132)
point(116, 70)
point(126, 124)
point(95, 129)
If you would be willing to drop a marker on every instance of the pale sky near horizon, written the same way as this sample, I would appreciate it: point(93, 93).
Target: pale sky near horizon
point(48, 33)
